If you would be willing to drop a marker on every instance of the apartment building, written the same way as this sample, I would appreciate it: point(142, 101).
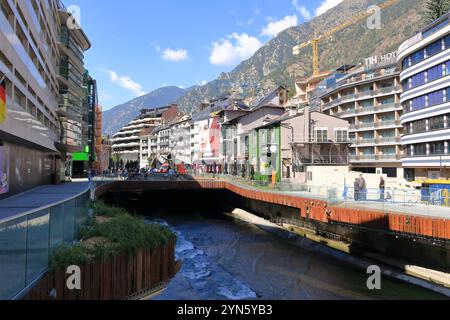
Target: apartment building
point(206, 133)
point(180, 140)
point(127, 142)
point(425, 76)
point(305, 88)
point(368, 97)
point(41, 61)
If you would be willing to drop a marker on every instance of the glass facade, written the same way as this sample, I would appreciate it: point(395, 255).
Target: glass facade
point(427, 52)
point(427, 100)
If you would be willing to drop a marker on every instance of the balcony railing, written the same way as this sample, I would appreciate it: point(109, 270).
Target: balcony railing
point(376, 157)
point(361, 95)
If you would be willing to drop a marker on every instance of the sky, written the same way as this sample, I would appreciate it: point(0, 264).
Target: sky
point(141, 45)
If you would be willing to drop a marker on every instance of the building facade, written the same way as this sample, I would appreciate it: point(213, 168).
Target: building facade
point(74, 110)
point(41, 61)
point(127, 142)
point(83, 162)
point(425, 63)
point(368, 98)
point(312, 139)
point(180, 140)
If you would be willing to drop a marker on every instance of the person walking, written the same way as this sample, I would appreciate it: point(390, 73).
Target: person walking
point(363, 188)
point(382, 189)
point(357, 189)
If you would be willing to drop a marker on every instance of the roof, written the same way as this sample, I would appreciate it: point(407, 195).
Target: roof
point(225, 104)
point(287, 116)
point(260, 101)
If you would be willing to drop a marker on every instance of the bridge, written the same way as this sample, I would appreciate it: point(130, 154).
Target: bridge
point(392, 220)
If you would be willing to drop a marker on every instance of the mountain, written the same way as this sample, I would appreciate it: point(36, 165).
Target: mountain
point(275, 64)
point(117, 117)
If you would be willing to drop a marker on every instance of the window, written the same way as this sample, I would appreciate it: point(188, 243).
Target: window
point(434, 73)
point(437, 148)
point(434, 48)
point(321, 135)
point(406, 63)
point(436, 123)
point(420, 149)
point(418, 80)
point(435, 98)
point(419, 126)
point(417, 57)
point(447, 42)
point(418, 103)
point(341, 135)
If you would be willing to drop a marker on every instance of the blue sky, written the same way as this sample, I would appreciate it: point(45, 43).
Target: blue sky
point(141, 45)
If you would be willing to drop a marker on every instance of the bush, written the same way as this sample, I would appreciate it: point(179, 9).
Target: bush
point(122, 234)
point(103, 210)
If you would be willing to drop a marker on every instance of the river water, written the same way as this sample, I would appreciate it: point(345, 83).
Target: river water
point(225, 258)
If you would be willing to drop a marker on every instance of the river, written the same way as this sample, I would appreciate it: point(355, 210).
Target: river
point(225, 258)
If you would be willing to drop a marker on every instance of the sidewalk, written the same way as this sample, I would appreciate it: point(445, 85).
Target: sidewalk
point(40, 197)
point(413, 209)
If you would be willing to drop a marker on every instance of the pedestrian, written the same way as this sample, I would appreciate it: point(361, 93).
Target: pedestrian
point(382, 189)
point(357, 189)
point(363, 188)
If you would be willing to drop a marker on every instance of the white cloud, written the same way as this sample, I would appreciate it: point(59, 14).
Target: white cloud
point(302, 10)
point(175, 55)
point(125, 82)
point(236, 48)
point(327, 5)
point(275, 27)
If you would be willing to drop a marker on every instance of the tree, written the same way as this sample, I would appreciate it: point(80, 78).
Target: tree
point(436, 9)
point(115, 158)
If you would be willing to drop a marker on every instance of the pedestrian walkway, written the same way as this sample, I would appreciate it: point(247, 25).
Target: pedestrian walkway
point(40, 197)
point(335, 198)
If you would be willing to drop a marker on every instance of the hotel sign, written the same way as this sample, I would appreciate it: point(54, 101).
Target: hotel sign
point(382, 60)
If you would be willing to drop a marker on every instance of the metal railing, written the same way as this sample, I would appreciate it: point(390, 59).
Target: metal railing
point(422, 202)
point(28, 239)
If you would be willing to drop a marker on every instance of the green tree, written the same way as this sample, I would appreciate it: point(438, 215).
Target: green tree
point(115, 158)
point(436, 9)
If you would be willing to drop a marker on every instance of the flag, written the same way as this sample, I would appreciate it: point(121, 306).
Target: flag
point(3, 110)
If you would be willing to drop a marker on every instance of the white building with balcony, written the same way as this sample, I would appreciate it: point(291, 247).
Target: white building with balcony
point(127, 143)
point(368, 98)
point(425, 76)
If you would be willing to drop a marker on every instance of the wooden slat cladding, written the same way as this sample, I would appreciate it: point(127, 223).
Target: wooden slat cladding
point(120, 277)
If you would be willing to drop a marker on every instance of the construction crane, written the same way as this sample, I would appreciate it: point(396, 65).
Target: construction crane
point(315, 42)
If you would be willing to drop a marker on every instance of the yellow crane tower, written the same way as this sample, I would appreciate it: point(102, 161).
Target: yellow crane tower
point(357, 18)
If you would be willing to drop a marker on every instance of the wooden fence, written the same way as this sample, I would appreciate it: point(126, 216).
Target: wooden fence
point(118, 278)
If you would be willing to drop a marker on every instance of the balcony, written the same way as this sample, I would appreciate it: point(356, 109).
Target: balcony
point(362, 95)
point(387, 124)
point(389, 107)
point(376, 158)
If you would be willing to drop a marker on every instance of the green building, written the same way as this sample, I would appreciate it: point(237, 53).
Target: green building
point(265, 152)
